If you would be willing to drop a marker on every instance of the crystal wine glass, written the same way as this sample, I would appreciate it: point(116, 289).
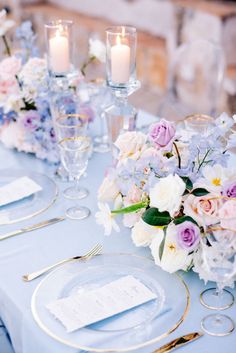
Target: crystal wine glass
point(219, 261)
point(74, 152)
point(71, 126)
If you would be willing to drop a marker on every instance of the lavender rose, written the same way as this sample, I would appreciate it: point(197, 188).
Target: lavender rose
point(162, 133)
point(188, 235)
point(229, 189)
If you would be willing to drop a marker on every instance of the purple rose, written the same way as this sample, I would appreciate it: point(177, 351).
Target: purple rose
point(162, 133)
point(31, 120)
point(188, 235)
point(229, 189)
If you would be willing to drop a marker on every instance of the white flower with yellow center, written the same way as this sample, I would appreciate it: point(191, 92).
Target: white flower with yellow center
point(213, 178)
point(173, 258)
point(105, 218)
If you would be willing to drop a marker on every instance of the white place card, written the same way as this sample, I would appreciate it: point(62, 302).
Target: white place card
point(86, 308)
point(17, 190)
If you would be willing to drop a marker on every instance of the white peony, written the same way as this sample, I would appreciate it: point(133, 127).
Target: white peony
point(173, 258)
point(108, 190)
point(142, 233)
point(105, 218)
point(166, 195)
point(97, 49)
point(130, 144)
point(5, 24)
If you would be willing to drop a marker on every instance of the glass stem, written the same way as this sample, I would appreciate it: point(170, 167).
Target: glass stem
point(76, 185)
point(219, 293)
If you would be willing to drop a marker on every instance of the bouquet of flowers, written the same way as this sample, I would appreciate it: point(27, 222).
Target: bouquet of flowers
point(171, 189)
point(25, 115)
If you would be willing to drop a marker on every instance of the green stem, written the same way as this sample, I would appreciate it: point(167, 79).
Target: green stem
point(203, 161)
point(85, 65)
point(133, 208)
point(178, 155)
point(8, 50)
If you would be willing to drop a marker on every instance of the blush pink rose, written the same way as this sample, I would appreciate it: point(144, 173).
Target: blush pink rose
point(10, 67)
point(227, 214)
point(8, 86)
point(162, 133)
point(204, 209)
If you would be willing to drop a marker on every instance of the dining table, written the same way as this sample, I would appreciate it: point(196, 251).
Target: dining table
point(34, 250)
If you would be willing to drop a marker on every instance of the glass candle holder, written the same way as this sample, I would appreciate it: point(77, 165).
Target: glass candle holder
point(121, 56)
point(59, 39)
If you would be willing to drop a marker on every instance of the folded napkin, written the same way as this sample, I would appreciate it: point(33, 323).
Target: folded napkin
point(17, 190)
point(102, 304)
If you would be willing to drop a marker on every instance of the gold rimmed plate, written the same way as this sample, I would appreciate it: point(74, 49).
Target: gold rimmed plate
point(32, 205)
point(133, 329)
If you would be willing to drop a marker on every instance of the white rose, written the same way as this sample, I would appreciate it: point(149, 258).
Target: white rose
point(142, 233)
point(108, 190)
point(98, 49)
point(13, 136)
point(173, 258)
point(166, 195)
point(130, 144)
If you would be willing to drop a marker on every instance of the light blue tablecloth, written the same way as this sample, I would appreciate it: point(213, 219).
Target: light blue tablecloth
point(31, 251)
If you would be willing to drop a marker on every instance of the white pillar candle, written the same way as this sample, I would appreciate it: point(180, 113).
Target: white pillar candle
point(120, 62)
point(59, 53)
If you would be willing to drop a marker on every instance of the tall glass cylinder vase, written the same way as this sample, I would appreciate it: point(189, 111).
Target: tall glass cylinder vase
point(60, 47)
point(121, 79)
point(121, 44)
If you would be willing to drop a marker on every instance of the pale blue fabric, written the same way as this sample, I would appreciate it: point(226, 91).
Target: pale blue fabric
point(28, 252)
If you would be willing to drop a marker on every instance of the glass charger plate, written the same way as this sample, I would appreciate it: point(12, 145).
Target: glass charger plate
point(133, 329)
point(29, 206)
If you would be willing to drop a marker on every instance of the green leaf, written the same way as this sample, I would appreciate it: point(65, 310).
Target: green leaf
point(161, 248)
point(154, 217)
point(133, 208)
point(184, 219)
point(200, 192)
point(188, 182)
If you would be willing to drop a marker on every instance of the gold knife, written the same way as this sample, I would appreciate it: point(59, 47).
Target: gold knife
point(33, 227)
point(178, 342)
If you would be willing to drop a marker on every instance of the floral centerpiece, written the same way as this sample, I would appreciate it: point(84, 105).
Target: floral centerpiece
point(171, 190)
point(25, 115)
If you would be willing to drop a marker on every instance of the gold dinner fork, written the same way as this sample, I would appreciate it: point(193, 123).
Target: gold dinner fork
point(94, 251)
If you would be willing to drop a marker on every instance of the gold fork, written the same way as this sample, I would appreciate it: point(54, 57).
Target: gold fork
point(94, 251)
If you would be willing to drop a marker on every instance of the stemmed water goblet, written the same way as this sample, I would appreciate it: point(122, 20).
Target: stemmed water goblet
point(69, 127)
point(74, 152)
point(219, 261)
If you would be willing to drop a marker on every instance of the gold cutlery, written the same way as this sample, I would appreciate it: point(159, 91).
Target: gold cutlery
point(178, 342)
point(33, 227)
point(94, 251)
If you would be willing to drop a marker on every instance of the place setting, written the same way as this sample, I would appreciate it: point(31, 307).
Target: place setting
point(168, 188)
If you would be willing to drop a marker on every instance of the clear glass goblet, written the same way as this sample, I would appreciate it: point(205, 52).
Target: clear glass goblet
point(219, 261)
point(74, 152)
point(71, 126)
